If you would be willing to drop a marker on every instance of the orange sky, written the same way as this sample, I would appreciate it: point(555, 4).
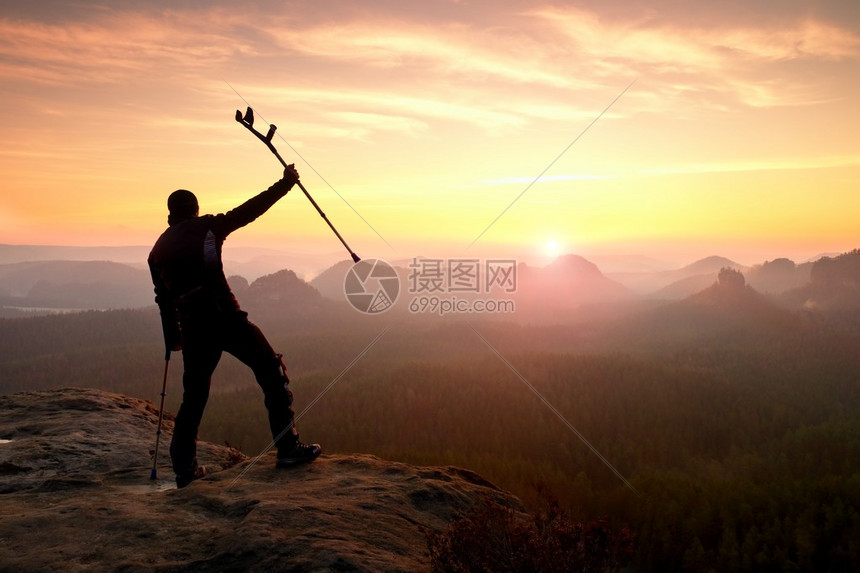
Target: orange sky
point(739, 137)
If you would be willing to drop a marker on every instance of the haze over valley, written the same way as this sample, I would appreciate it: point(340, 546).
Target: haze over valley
point(731, 410)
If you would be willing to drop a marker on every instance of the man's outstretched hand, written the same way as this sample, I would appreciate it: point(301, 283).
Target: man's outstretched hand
point(291, 176)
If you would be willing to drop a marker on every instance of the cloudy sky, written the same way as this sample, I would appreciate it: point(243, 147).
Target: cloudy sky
point(421, 122)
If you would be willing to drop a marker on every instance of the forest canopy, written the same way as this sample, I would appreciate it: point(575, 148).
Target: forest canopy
point(736, 419)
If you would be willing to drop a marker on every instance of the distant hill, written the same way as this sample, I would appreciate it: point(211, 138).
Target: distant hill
point(685, 287)
point(253, 263)
point(771, 277)
point(250, 262)
point(567, 283)
point(779, 275)
point(728, 311)
point(101, 285)
point(135, 255)
point(834, 283)
point(831, 255)
point(730, 292)
point(282, 298)
point(609, 264)
point(74, 285)
point(329, 283)
point(238, 284)
point(712, 264)
point(285, 291)
point(573, 267)
point(676, 284)
point(283, 285)
point(731, 305)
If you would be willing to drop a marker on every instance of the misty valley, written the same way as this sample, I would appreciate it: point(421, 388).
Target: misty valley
point(727, 396)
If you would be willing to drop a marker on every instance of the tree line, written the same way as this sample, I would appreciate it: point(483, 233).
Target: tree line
point(742, 439)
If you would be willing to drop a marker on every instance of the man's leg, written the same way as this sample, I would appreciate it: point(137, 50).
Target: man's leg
point(200, 356)
point(246, 342)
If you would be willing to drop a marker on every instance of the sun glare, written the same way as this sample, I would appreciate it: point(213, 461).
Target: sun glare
point(551, 248)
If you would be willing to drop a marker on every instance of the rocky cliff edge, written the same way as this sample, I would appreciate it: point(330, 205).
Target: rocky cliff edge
point(76, 495)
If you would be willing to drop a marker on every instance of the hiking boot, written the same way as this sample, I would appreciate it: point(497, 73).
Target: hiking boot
point(299, 454)
point(185, 479)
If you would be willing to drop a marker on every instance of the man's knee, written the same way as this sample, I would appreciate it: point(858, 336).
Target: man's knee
point(273, 378)
point(277, 392)
point(272, 370)
point(195, 392)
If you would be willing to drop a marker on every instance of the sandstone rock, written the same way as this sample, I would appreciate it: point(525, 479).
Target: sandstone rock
point(75, 495)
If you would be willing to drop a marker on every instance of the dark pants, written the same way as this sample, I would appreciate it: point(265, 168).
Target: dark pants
point(203, 341)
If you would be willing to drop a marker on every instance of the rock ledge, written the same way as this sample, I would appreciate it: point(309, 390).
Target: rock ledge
point(75, 495)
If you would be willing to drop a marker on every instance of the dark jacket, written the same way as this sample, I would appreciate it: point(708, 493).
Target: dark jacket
point(185, 262)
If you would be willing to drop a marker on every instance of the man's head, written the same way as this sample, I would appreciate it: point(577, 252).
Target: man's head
point(182, 204)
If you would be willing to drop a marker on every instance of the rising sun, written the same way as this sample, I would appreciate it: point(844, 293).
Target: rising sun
point(551, 248)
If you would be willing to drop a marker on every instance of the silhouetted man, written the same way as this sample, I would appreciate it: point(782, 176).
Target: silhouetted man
point(201, 317)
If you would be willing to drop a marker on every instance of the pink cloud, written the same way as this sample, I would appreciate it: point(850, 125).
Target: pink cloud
point(732, 61)
point(116, 47)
